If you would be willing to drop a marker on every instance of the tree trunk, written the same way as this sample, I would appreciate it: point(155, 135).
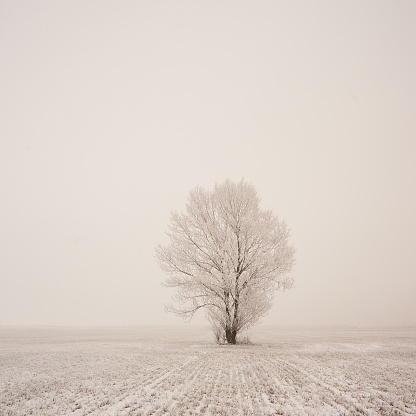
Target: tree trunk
point(230, 335)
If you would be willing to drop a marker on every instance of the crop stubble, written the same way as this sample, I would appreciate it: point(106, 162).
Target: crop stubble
point(151, 372)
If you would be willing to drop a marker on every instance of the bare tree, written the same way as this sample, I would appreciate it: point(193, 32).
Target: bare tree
point(226, 255)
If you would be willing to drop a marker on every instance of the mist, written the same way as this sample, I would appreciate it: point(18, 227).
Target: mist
point(110, 113)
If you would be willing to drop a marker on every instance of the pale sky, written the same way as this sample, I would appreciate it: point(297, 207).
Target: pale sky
point(111, 112)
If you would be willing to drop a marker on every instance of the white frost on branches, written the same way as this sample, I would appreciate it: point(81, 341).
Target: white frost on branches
point(226, 255)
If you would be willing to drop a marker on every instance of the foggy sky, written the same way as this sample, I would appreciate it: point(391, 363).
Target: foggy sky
point(111, 112)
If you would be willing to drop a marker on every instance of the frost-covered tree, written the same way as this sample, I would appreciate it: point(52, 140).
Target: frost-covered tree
point(227, 256)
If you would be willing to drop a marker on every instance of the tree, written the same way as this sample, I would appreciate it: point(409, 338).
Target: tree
point(227, 256)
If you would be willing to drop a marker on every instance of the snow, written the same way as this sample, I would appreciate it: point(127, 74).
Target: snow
point(151, 371)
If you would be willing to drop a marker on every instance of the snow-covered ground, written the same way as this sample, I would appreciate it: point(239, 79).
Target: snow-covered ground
point(177, 371)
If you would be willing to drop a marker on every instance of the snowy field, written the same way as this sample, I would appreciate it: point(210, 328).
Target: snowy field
point(177, 371)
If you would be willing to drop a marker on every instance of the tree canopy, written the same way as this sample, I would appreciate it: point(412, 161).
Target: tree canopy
point(227, 256)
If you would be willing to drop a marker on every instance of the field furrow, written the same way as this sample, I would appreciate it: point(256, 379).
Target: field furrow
point(145, 374)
